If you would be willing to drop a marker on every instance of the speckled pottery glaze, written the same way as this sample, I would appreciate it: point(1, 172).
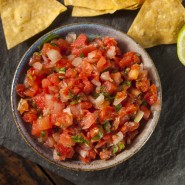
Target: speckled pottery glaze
point(126, 44)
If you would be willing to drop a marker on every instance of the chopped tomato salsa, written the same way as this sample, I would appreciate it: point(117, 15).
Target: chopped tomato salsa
point(86, 99)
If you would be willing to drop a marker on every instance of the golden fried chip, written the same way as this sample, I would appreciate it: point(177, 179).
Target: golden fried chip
point(86, 12)
point(22, 19)
point(158, 22)
point(105, 5)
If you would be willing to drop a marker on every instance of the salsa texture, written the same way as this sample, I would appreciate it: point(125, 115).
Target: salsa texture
point(84, 98)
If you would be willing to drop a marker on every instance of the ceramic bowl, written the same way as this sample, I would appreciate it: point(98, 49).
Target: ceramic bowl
point(126, 44)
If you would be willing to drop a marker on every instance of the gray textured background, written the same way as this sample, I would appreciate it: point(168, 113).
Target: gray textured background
point(161, 161)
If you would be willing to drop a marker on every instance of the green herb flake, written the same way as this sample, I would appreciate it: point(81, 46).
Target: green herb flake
point(81, 55)
point(121, 146)
point(115, 149)
point(99, 135)
point(53, 44)
point(36, 53)
point(138, 54)
point(107, 126)
point(74, 102)
point(48, 39)
point(118, 107)
point(79, 139)
point(144, 103)
point(29, 76)
point(43, 133)
point(58, 153)
point(61, 70)
point(128, 83)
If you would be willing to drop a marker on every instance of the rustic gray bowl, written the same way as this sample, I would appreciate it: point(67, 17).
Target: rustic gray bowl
point(126, 44)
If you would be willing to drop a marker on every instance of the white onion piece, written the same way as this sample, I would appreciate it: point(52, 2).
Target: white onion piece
point(156, 107)
point(99, 100)
point(56, 136)
point(95, 82)
point(54, 55)
point(67, 110)
point(71, 37)
point(119, 137)
point(55, 155)
point(71, 57)
point(91, 55)
point(111, 52)
point(139, 116)
point(50, 142)
point(46, 111)
point(48, 97)
point(83, 153)
point(118, 101)
point(91, 99)
point(135, 92)
point(106, 76)
point(77, 62)
point(37, 65)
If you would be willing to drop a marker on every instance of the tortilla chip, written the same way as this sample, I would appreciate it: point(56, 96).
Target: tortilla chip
point(0, 5)
point(105, 5)
point(158, 22)
point(86, 12)
point(22, 19)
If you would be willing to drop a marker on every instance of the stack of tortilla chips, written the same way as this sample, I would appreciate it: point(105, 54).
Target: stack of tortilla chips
point(23, 19)
point(98, 7)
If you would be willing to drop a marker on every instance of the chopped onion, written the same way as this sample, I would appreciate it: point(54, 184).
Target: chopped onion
point(111, 52)
point(50, 142)
point(83, 153)
point(95, 82)
point(91, 55)
point(37, 65)
point(106, 76)
point(54, 55)
point(77, 62)
point(67, 110)
point(117, 138)
point(55, 155)
point(56, 136)
point(71, 57)
point(99, 100)
point(118, 100)
point(71, 37)
point(139, 116)
point(48, 97)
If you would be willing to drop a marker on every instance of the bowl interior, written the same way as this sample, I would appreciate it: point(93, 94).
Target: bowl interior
point(126, 44)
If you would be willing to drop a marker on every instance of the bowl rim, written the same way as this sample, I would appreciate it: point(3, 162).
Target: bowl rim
point(53, 161)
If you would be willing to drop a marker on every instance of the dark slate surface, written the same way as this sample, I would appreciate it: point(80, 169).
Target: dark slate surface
point(161, 161)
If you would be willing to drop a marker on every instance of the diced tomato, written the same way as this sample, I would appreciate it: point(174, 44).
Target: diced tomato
point(143, 84)
point(20, 88)
point(107, 113)
point(46, 47)
point(53, 78)
point(104, 155)
point(35, 129)
point(66, 140)
point(146, 112)
point(45, 83)
point(40, 100)
point(83, 50)
point(86, 105)
point(94, 131)
point(64, 152)
point(71, 72)
point(29, 117)
point(131, 126)
point(101, 64)
point(117, 78)
point(31, 91)
point(151, 95)
point(80, 41)
point(44, 123)
point(23, 106)
point(65, 120)
point(62, 44)
point(128, 59)
point(88, 88)
point(88, 120)
point(109, 87)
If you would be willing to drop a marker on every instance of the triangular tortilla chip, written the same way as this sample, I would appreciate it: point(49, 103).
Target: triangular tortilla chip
point(105, 4)
point(158, 22)
point(86, 12)
point(24, 18)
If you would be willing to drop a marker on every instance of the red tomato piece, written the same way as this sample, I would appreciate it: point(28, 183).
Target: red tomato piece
point(151, 95)
point(109, 87)
point(101, 65)
point(65, 119)
point(46, 47)
point(80, 41)
point(107, 113)
point(40, 100)
point(64, 152)
point(31, 91)
point(88, 120)
point(146, 112)
point(66, 140)
point(44, 123)
point(88, 88)
point(29, 117)
point(20, 88)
